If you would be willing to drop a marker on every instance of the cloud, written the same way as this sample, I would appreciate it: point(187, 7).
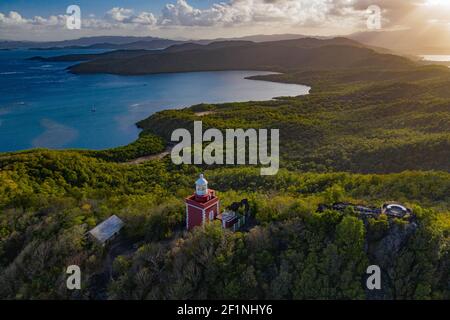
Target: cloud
point(276, 15)
point(15, 19)
point(116, 18)
point(144, 18)
point(238, 12)
point(127, 16)
point(223, 14)
point(293, 13)
point(119, 14)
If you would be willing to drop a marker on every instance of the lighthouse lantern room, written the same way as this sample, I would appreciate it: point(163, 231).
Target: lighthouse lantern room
point(202, 206)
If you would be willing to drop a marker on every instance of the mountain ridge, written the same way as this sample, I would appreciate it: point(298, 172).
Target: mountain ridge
point(280, 56)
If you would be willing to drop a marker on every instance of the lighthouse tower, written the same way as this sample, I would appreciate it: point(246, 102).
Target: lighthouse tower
point(202, 206)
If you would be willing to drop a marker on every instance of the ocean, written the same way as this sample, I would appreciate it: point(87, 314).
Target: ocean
point(43, 105)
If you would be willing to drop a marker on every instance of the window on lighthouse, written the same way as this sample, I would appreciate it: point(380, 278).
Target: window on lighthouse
point(211, 215)
point(201, 190)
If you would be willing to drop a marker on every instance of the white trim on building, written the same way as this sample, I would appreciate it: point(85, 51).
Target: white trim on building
point(187, 216)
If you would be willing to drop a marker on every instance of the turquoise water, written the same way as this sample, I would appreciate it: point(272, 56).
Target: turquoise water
point(42, 105)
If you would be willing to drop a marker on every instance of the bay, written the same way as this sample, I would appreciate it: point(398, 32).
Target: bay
point(43, 105)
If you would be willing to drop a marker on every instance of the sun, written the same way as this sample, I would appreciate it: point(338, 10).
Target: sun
point(437, 3)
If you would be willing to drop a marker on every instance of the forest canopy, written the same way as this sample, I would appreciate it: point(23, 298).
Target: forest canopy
point(364, 135)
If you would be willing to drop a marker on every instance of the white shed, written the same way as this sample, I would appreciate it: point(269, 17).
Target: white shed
point(107, 230)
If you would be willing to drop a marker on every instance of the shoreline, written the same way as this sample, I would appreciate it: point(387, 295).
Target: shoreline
point(252, 77)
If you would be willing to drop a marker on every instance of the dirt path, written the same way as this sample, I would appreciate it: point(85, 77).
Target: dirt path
point(167, 151)
point(157, 156)
point(204, 113)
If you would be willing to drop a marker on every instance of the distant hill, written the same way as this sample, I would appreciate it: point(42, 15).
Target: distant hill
point(368, 132)
point(210, 46)
point(138, 45)
point(432, 41)
point(7, 44)
point(287, 55)
point(270, 37)
point(88, 41)
point(399, 41)
point(117, 54)
point(102, 42)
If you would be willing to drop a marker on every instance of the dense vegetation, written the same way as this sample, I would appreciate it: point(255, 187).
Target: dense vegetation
point(50, 199)
point(363, 135)
point(368, 121)
point(283, 56)
point(145, 145)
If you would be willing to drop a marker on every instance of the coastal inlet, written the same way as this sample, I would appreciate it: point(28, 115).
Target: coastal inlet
point(43, 105)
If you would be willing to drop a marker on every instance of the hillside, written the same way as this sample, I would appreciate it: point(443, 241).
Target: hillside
point(433, 40)
point(378, 121)
point(138, 45)
point(283, 56)
point(50, 199)
point(405, 41)
point(99, 42)
point(375, 128)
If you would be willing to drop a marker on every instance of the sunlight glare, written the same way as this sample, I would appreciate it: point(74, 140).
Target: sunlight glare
point(435, 3)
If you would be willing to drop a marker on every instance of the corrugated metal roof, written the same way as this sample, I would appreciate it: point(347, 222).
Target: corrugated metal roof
point(107, 229)
point(228, 216)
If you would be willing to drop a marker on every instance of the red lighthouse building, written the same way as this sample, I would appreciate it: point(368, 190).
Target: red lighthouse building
point(202, 206)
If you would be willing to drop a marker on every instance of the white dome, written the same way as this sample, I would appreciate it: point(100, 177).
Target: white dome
point(201, 180)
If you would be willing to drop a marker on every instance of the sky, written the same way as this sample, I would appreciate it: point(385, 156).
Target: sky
point(194, 19)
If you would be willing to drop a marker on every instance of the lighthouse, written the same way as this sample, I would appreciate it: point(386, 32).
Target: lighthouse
point(202, 206)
